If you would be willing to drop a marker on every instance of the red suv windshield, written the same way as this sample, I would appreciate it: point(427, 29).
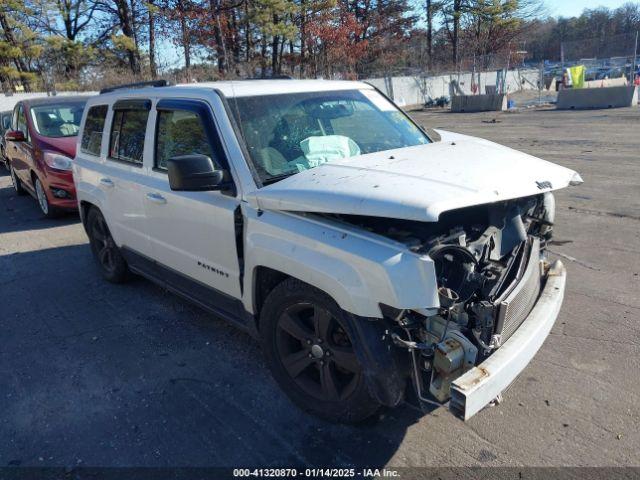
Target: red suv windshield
point(57, 120)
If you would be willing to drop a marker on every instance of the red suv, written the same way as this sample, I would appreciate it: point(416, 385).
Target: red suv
point(40, 146)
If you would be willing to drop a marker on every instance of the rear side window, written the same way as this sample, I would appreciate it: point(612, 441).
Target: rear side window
point(127, 135)
point(180, 132)
point(93, 128)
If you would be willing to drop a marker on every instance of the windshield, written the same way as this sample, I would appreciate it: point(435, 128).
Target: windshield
point(57, 120)
point(288, 133)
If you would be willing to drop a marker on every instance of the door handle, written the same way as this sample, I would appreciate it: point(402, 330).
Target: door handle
point(106, 182)
point(156, 198)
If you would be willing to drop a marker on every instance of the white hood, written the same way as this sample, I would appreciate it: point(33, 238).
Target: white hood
point(416, 183)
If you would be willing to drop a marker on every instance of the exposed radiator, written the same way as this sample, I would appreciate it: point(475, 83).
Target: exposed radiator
point(518, 302)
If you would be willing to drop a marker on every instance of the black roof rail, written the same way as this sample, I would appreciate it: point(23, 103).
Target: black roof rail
point(270, 77)
point(152, 83)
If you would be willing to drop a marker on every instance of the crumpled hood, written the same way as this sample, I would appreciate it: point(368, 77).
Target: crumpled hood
point(416, 183)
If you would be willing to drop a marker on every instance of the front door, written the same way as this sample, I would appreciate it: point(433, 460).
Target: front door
point(192, 234)
point(19, 153)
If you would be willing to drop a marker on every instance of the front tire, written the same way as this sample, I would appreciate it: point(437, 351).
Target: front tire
point(311, 355)
point(105, 251)
point(43, 201)
point(17, 183)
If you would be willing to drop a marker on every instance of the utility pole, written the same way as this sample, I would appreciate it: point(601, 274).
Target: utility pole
point(633, 62)
point(541, 84)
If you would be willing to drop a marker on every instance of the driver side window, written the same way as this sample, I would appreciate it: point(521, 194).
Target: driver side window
point(21, 122)
point(181, 132)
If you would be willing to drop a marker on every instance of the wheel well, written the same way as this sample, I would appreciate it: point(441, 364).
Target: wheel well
point(265, 280)
point(84, 211)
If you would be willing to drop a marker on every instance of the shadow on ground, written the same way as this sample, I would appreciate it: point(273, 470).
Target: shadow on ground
point(21, 212)
point(121, 375)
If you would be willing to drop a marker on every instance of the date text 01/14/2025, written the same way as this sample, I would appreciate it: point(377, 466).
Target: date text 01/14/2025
point(315, 472)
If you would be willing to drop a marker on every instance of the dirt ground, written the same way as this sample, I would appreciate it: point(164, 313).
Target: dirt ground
point(94, 374)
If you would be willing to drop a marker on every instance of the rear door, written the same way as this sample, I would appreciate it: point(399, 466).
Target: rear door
point(122, 174)
point(192, 234)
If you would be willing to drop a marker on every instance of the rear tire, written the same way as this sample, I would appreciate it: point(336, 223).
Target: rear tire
point(17, 183)
point(105, 251)
point(311, 355)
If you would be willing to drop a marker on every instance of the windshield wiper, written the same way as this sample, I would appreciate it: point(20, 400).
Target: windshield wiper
point(276, 178)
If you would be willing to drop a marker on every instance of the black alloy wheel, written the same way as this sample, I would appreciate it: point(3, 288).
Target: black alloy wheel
point(311, 355)
point(317, 353)
point(112, 264)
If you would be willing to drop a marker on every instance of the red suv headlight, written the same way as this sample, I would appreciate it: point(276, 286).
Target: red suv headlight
point(57, 161)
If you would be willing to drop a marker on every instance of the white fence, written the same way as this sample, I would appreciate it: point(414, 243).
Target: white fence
point(417, 90)
point(405, 91)
point(8, 102)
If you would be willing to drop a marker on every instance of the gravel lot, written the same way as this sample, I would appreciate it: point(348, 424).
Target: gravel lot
point(95, 374)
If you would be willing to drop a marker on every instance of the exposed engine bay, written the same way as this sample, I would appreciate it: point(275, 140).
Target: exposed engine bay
point(489, 267)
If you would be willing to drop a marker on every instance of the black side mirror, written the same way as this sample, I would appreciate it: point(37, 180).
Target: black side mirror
point(196, 173)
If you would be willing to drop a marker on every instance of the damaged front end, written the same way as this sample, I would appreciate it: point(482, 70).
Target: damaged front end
point(490, 262)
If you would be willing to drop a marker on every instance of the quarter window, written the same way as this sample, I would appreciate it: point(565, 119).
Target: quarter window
point(180, 132)
point(93, 127)
point(127, 135)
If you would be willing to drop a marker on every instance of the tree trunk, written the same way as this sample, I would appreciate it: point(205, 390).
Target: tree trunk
point(230, 39)
point(124, 16)
point(152, 41)
point(292, 66)
point(274, 49)
point(235, 37)
point(430, 34)
point(247, 32)
point(66, 19)
point(134, 31)
point(217, 36)
point(263, 57)
point(185, 39)
point(282, 44)
point(456, 30)
point(303, 39)
point(6, 85)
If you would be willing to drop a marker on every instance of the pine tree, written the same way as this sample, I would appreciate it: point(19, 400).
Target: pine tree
point(19, 47)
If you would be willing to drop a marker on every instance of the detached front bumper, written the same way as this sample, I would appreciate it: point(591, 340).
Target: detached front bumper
point(475, 389)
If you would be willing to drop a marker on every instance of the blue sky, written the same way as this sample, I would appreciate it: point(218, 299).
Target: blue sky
point(573, 8)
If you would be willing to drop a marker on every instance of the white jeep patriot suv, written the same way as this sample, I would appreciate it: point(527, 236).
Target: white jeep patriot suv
point(374, 260)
